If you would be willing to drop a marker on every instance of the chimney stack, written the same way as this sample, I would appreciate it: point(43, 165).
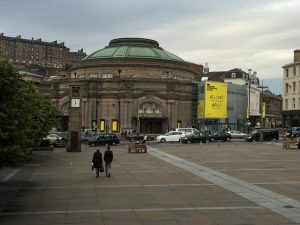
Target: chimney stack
point(297, 55)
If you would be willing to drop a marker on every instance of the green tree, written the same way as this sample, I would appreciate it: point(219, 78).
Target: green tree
point(25, 116)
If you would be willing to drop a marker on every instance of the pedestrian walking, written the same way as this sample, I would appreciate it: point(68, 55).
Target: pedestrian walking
point(108, 158)
point(97, 162)
point(145, 139)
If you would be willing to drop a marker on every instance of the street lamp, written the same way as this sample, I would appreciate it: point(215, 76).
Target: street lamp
point(263, 105)
point(250, 77)
point(137, 111)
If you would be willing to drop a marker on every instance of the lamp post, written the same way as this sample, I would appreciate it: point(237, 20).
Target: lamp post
point(96, 130)
point(250, 77)
point(263, 106)
point(137, 111)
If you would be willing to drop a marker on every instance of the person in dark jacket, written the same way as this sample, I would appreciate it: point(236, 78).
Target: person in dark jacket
point(97, 161)
point(108, 158)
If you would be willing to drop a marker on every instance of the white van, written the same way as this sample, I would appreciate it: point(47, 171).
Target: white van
point(186, 131)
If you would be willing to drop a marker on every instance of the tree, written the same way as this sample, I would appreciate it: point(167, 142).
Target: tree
point(25, 116)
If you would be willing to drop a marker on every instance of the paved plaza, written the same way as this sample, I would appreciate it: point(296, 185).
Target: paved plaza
point(209, 184)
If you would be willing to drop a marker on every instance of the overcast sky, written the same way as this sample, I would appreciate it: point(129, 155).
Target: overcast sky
point(256, 34)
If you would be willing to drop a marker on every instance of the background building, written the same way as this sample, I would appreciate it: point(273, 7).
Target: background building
point(291, 92)
point(133, 83)
point(236, 110)
point(37, 52)
point(250, 90)
point(273, 109)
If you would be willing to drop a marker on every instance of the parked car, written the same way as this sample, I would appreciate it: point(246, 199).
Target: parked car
point(63, 135)
point(134, 137)
point(267, 135)
point(219, 136)
point(295, 131)
point(196, 137)
point(103, 139)
point(236, 134)
point(186, 131)
point(53, 138)
point(140, 137)
point(85, 137)
point(169, 137)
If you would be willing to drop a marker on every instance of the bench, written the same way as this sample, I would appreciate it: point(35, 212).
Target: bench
point(137, 147)
point(290, 143)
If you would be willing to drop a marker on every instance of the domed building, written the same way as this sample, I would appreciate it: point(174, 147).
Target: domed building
point(132, 84)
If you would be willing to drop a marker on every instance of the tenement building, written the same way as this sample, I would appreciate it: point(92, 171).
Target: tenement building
point(132, 84)
point(291, 92)
point(38, 52)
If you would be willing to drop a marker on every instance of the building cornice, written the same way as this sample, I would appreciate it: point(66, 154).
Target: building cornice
point(291, 64)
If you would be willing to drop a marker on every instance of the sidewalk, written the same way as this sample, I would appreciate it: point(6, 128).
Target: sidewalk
point(60, 188)
point(5, 172)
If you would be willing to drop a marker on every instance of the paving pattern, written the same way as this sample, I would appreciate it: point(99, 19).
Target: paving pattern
point(230, 183)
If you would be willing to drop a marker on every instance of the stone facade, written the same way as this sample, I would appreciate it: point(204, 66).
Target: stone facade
point(146, 94)
point(291, 92)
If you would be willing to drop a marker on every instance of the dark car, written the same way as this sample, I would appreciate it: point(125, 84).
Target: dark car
point(267, 135)
point(140, 137)
point(196, 137)
point(85, 137)
point(219, 136)
point(134, 137)
point(103, 139)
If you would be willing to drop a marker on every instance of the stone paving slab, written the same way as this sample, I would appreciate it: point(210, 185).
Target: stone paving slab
point(60, 188)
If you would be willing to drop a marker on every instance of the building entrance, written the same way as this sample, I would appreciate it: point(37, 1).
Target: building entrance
point(151, 125)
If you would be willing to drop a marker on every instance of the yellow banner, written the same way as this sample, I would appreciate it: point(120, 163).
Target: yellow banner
point(263, 110)
point(102, 125)
point(215, 100)
point(200, 111)
point(114, 126)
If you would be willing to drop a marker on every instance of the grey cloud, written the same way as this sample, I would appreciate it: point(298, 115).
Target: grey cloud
point(254, 34)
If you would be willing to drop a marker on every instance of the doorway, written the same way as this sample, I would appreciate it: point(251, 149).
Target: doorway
point(151, 125)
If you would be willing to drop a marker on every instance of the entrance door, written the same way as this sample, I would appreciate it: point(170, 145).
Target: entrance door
point(151, 126)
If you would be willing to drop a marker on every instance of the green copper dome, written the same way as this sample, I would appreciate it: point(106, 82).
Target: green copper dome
point(133, 48)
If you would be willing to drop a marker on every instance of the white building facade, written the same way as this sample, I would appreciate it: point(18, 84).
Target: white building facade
point(291, 92)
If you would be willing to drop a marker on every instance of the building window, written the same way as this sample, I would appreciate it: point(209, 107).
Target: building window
point(287, 72)
point(294, 103)
point(294, 71)
point(286, 103)
point(114, 125)
point(294, 86)
point(178, 124)
point(102, 125)
point(286, 88)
